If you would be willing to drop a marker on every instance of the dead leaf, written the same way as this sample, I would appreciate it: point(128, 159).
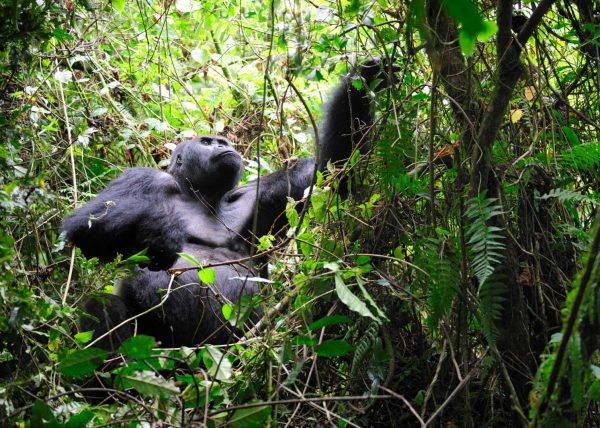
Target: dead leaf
point(516, 115)
point(529, 92)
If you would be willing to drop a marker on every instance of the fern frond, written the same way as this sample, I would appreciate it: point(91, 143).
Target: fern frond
point(585, 157)
point(442, 280)
point(365, 344)
point(485, 243)
point(565, 195)
point(491, 299)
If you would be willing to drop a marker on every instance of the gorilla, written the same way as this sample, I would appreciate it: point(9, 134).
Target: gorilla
point(197, 208)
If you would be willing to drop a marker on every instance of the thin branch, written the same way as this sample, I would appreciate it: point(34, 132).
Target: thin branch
point(534, 21)
point(74, 179)
point(300, 401)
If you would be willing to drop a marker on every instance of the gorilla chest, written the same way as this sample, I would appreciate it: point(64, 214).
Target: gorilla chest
point(208, 227)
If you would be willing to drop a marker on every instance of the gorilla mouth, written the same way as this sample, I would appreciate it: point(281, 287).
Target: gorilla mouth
point(225, 154)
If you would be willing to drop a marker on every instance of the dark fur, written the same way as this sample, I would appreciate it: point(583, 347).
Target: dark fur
point(196, 208)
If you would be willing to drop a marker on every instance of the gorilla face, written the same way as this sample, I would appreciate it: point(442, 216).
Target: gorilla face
point(206, 164)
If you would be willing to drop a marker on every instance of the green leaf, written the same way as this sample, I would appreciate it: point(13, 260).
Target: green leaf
point(466, 42)
point(82, 362)
point(465, 12)
point(357, 83)
point(472, 25)
point(594, 391)
point(119, 5)
point(150, 384)
point(265, 242)
point(571, 136)
point(389, 35)
point(488, 30)
point(60, 34)
point(207, 276)
point(350, 299)
point(138, 347)
point(190, 259)
point(319, 201)
point(360, 282)
point(355, 157)
point(217, 364)
point(252, 417)
point(330, 320)
point(333, 348)
point(291, 213)
point(227, 311)
point(332, 266)
point(42, 416)
point(303, 340)
point(84, 337)
point(353, 7)
point(240, 311)
point(361, 260)
point(80, 420)
point(137, 258)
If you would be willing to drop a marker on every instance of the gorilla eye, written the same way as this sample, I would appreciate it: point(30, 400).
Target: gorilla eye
point(206, 141)
point(178, 161)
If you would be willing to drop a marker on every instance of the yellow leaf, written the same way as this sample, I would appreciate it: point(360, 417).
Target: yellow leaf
point(529, 93)
point(516, 115)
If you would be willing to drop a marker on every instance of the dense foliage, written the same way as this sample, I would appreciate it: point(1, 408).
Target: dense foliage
point(457, 286)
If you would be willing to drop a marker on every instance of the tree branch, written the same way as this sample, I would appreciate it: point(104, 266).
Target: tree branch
point(507, 75)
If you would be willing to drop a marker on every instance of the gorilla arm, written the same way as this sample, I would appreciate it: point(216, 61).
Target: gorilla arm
point(346, 121)
point(134, 212)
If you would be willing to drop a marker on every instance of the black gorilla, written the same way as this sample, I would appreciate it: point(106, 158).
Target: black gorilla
point(196, 208)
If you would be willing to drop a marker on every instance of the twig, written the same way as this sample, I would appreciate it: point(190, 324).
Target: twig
point(128, 320)
point(74, 178)
point(456, 390)
point(514, 397)
point(406, 402)
point(300, 401)
point(179, 271)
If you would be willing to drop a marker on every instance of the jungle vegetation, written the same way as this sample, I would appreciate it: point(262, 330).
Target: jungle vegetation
point(457, 286)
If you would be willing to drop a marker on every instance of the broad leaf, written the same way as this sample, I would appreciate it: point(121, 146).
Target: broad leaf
point(327, 321)
point(252, 417)
point(148, 383)
point(217, 364)
point(138, 347)
point(349, 298)
point(82, 362)
point(333, 348)
point(189, 258)
point(207, 276)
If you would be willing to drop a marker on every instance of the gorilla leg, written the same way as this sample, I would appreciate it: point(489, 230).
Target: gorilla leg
point(191, 313)
point(105, 312)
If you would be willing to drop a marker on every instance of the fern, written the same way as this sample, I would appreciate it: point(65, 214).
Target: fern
point(365, 344)
point(564, 195)
point(391, 159)
point(585, 157)
point(442, 280)
point(485, 243)
point(491, 299)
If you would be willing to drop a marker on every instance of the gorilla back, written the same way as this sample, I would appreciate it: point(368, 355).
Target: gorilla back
point(195, 208)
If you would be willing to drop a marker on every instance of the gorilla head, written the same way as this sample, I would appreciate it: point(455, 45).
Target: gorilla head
point(208, 165)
